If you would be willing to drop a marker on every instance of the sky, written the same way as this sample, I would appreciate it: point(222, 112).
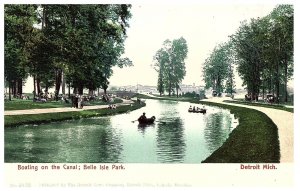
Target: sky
point(202, 25)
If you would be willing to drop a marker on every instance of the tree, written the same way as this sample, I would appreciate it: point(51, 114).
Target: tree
point(180, 50)
point(217, 67)
point(80, 42)
point(170, 65)
point(19, 21)
point(282, 20)
point(250, 45)
point(264, 49)
point(161, 58)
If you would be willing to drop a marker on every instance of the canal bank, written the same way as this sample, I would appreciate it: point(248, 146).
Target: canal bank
point(255, 140)
point(284, 122)
point(38, 116)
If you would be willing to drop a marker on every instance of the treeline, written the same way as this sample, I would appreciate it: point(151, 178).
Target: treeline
point(263, 51)
point(218, 69)
point(75, 45)
point(170, 65)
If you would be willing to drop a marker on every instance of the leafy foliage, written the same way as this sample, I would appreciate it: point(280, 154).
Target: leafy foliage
point(83, 42)
point(218, 68)
point(170, 65)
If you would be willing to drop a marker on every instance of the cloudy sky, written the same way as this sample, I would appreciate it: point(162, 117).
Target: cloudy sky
point(202, 25)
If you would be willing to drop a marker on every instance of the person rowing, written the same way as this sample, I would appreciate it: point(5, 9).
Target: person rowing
point(142, 117)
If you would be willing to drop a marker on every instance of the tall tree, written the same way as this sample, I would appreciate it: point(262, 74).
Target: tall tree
point(282, 33)
point(216, 68)
point(180, 50)
point(161, 58)
point(19, 20)
point(264, 50)
point(170, 64)
point(81, 42)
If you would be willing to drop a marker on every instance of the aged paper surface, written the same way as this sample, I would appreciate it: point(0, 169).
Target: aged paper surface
point(149, 175)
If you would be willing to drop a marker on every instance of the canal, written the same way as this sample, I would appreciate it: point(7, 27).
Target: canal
point(176, 137)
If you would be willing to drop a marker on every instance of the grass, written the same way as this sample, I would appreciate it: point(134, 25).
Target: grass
point(16, 120)
point(273, 106)
point(18, 104)
point(254, 140)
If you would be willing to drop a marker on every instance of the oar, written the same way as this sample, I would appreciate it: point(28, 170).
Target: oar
point(163, 122)
point(134, 121)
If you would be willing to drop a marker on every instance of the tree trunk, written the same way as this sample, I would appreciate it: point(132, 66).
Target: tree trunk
point(63, 85)
point(9, 91)
point(177, 92)
point(285, 81)
point(34, 87)
point(104, 91)
point(69, 90)
point(14, 90)
point(57, 83)
point(38, 86)
point(277, 74)
point(20, 86)
point(80, 90)
point(170, 84)
point(263, 96)
point(91, 92)
point(75, 90)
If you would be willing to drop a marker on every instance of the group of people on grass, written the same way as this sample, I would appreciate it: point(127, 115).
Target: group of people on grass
point(77, 101)
point(43, 96)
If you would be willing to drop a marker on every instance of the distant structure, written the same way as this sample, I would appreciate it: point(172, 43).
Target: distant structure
point(153, 89)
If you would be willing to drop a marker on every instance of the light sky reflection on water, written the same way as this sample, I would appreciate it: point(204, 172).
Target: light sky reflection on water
point(176, 137)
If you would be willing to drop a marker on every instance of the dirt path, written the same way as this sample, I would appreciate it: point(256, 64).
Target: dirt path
point(285, 124)
point(61, 109)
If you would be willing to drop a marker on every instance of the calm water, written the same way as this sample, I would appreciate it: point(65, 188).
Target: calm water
point(176, 137)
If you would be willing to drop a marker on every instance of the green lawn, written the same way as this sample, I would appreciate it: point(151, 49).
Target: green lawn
point(273, 106)
point(254, 140)
point(18, 104)
point(15, 120)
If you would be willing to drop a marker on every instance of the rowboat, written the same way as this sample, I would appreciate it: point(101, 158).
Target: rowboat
point(197, 110)
point(147, 120)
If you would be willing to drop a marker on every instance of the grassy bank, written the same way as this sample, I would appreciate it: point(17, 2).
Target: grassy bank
point(273, 106)
point(18, 104)
point(16, 120)
point(254, 140)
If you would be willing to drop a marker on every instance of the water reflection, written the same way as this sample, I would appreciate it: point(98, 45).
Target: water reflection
point(143, 127)
point(176, 136)
point(217, 129)
point(85, 140)
point(170, 141)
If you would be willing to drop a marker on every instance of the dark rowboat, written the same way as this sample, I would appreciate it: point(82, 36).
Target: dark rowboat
point(147, 120)
point(197, 111)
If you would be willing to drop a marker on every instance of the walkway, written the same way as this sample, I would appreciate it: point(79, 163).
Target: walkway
point(61, 109)
point(285, 124)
